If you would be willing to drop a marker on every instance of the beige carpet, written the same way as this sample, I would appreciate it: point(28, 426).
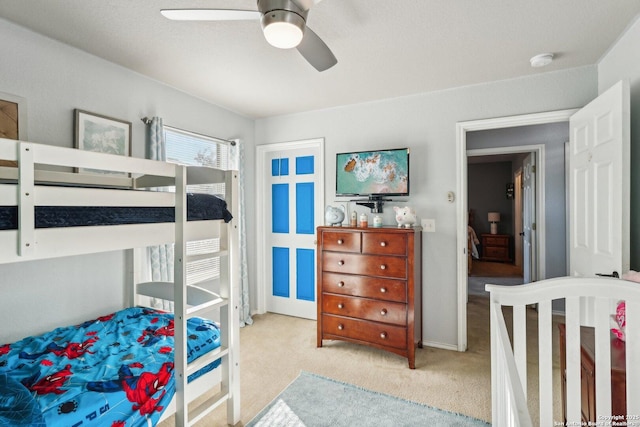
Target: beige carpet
point(276, 348)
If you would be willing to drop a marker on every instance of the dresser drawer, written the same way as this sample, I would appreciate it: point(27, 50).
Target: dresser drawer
point(341, 241)
point(363, 330)
point(370, 265)
point(368, 287)
point(495, 240)
point(384, 243)
point(496, 252)
point(364, 308)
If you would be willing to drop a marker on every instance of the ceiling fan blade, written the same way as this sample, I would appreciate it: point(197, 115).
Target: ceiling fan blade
point(210, 14)
point(315, 51)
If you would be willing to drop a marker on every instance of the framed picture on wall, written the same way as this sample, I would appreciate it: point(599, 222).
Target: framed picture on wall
point(13, 120)
point(95, 132)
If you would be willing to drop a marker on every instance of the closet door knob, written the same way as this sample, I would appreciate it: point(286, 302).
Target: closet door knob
point(341, 262)
point(341, 284)
point(340, 241)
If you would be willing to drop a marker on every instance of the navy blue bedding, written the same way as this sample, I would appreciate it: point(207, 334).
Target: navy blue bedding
point(199, 207)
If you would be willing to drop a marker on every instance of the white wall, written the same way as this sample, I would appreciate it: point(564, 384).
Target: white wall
point(426, 124)
point(623, 62)
point(54, 79)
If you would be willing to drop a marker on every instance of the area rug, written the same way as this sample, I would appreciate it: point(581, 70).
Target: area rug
point(313, 401)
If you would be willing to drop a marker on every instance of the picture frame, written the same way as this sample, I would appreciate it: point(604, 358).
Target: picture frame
point(13, 120)
point(99, 133)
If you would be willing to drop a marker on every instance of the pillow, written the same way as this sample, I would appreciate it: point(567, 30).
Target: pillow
point(17, 405)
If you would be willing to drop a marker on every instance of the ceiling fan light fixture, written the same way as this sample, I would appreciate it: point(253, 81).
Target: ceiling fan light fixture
point(283, 29)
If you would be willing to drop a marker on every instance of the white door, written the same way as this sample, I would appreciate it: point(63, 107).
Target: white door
point(529, 218)
point(292, 193)
point(519, 233)
point(599, 171)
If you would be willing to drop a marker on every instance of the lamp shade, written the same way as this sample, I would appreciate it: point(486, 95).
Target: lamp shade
point(494, 216)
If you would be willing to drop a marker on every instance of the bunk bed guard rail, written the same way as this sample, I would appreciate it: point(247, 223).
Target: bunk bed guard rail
point(45, 164)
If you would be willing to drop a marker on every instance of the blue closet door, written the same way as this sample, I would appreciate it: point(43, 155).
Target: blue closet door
point(295, 211)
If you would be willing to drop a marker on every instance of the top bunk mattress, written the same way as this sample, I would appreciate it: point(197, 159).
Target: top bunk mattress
point(200, 207)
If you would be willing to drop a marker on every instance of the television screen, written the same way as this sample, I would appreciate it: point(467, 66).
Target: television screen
point(373, 173)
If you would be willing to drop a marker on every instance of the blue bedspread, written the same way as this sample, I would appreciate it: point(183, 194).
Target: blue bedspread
point(114, 371)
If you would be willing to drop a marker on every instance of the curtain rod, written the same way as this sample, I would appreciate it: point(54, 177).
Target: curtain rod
point(147, 121)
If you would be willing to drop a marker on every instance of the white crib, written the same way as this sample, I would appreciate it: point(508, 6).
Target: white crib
point(588, 302)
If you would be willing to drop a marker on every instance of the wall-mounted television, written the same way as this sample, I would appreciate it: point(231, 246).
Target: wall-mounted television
point(373, 174)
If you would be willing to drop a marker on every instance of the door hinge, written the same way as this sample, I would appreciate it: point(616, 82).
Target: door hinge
point(533, 169)
point(533, 226)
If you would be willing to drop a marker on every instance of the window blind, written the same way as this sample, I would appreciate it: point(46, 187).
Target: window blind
point(191, 149)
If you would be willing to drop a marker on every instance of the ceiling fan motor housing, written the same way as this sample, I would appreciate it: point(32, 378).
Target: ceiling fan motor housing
point(281, 11)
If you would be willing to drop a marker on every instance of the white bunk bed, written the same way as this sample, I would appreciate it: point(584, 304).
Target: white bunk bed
point(589, 303)
point(43, 177)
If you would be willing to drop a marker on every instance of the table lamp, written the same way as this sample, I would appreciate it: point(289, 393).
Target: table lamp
point(494, 219)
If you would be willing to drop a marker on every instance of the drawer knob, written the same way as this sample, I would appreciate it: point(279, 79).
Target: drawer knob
point(341, 284)
point(383, 290)
point(383, 244)
point(383, 335)
point(383, 312)
point(340, 327)
point(341, 262)
point(340, 305)
point(340, 241)
point(383, 267)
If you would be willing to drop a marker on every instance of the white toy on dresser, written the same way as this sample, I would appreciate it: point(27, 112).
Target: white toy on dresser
point(405, 217)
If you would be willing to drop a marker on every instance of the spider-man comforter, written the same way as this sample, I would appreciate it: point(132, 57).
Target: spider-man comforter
point(116, 370)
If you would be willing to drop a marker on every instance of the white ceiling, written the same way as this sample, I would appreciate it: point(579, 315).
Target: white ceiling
point(385, 48)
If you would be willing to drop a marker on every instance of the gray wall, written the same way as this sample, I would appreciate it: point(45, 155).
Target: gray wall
point(54, 79)
point(553, 136)
point(621, 62)
point(426, 123)
point(487, 189)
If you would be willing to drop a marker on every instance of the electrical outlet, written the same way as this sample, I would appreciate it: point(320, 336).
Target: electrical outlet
point(428, 225)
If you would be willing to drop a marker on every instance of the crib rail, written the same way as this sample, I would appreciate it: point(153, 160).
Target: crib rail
point(509, 403)
point(588, 302)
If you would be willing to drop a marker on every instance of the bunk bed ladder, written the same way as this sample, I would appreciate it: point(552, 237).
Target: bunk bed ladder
point(229, 312)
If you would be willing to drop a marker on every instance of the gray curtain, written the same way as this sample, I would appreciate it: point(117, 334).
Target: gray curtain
point(236, 161)
point(161, 256)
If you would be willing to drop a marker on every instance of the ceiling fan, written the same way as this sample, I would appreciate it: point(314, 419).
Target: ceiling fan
point(283, 24)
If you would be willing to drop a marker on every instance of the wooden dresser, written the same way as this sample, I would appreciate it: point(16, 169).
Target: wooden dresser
point(588, 375)
point(495, 247)
point(370, 287)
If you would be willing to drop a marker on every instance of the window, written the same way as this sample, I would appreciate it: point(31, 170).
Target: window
point(192, 149)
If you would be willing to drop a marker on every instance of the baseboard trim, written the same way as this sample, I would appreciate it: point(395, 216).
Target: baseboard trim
point(440, 345)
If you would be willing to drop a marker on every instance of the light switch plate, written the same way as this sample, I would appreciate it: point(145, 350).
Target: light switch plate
point(428, 225)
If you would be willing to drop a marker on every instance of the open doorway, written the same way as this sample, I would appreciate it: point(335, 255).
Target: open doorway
point(497, 214)
point(546, 129)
